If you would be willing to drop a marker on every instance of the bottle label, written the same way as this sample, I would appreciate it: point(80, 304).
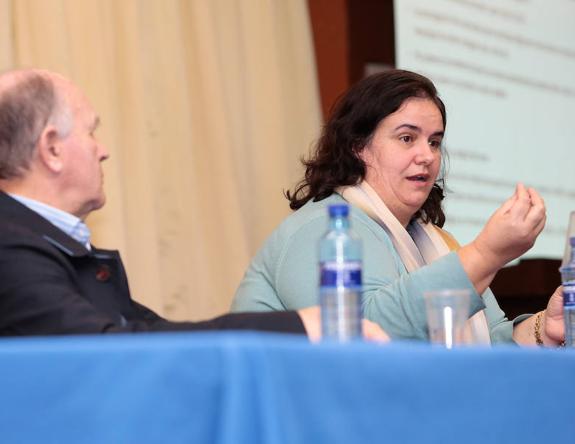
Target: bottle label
point(347, 274)
point(569, 294)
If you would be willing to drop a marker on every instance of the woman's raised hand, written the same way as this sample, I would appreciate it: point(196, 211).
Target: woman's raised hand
point(513, 228)
point(508, 233)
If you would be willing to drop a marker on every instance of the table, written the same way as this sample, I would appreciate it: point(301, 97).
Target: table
point(264, 388)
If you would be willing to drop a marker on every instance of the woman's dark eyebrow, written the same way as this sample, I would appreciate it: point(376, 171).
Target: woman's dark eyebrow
point(418, 129)
point(409, 126)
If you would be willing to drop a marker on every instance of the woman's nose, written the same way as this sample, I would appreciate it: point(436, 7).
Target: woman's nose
point(425, 154)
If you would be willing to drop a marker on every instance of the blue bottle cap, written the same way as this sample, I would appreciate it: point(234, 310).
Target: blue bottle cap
point(338, 210)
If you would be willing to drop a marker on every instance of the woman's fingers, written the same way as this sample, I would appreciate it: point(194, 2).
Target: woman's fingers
point(528, 210)
point(512, 230)
point(536, 200)
point(508, 204)
point(534, 196)
point(522, 203)
point(539, 227)
point(373, 332)
point(536, 215)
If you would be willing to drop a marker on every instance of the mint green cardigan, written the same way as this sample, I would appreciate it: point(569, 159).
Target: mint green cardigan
point(284, 276)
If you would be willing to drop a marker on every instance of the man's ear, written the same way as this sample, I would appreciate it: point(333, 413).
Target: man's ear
point(50, 149)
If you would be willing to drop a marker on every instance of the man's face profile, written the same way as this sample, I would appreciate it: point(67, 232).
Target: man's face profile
point(82, 154)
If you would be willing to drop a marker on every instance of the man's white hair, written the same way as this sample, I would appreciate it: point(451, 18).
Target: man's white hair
point(29, 101)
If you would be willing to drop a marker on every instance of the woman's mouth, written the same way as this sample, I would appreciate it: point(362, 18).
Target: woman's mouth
point(419, 178)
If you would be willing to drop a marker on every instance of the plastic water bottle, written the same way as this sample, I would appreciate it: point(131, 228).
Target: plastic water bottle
point(340, 278)
point(568, 280)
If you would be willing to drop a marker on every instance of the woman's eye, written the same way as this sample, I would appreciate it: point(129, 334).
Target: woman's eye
point(406, 138)
point(435, 143)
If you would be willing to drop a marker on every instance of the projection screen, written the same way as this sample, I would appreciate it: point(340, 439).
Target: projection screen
point(506, 71)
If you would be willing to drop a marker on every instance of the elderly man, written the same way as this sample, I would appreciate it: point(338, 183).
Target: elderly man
point(52, 281)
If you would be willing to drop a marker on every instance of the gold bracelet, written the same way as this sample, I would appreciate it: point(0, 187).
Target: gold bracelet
point(537, 328)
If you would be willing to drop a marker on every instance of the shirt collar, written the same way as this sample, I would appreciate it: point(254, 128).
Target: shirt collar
point(68, 223)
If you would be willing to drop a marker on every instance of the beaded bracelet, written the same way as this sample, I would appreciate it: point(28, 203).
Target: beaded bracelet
point(537, 330)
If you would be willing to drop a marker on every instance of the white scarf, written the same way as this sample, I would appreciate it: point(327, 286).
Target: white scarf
point(422, 247)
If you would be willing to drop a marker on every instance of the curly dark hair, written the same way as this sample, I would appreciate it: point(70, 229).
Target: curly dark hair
point(336, 162)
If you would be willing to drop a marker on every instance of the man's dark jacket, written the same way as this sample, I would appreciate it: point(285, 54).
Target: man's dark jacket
point(51, 284)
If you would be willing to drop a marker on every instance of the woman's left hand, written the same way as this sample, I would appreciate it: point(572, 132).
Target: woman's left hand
point(554, 326)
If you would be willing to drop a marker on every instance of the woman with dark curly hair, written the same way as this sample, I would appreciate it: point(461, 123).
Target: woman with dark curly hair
point(381, 152)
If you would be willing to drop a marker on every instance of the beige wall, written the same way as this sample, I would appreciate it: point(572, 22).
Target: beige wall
point(206, 107)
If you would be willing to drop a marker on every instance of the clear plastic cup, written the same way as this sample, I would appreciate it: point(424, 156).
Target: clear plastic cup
point(447, 313)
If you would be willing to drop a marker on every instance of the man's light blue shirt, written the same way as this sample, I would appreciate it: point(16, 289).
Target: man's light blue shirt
point(68, 223)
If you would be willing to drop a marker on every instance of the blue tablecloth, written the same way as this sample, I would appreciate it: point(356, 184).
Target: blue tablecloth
point(257, 388)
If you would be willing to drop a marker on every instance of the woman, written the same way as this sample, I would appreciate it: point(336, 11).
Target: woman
point(381, 152)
